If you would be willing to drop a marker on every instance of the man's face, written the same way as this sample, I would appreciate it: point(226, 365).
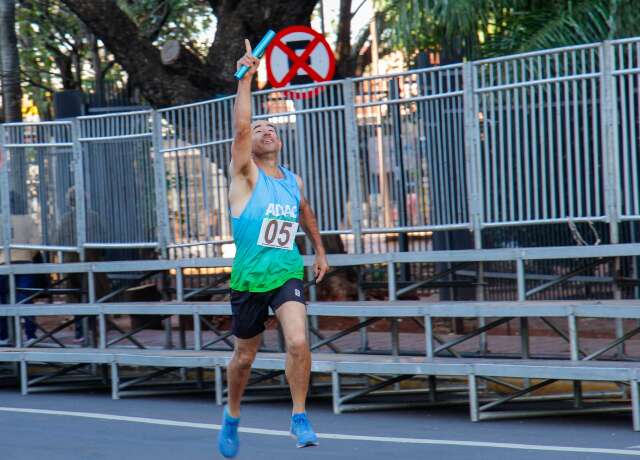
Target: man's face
point(264, 138)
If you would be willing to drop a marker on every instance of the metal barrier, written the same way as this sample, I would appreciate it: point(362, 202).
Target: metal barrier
point(537, 138)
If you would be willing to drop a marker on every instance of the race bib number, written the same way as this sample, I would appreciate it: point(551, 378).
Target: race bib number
point(276, 233)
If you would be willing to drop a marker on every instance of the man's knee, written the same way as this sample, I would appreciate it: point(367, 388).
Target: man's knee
point(244, 358)
point(298, 345)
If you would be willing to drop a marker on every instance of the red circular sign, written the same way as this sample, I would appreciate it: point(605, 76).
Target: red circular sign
point(299, 55)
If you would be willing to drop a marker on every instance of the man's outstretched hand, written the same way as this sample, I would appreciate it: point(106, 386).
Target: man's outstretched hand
point(249, 60)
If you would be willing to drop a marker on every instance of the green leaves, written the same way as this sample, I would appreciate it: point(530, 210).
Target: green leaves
point(471, 29)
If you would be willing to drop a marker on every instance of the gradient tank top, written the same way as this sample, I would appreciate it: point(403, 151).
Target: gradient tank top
point(264, 234)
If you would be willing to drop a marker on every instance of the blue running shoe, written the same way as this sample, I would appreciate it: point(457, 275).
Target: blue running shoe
point(228, 442)
point(302, 431)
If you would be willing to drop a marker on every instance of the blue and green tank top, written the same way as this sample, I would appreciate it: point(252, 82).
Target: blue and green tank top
point(264, 234)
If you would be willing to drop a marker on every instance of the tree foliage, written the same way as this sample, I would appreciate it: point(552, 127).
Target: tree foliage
point(471, 29)
point(134, 39)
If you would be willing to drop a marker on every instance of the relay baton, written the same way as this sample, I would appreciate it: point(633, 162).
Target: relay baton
point(257, 52)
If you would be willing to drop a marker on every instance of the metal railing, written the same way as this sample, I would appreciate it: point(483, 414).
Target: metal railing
point(537, 138)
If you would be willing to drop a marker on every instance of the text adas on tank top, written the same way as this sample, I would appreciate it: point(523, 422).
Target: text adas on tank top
point(279, 226)
point(281, 210)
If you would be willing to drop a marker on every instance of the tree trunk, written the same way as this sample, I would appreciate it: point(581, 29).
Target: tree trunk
point(344, 66)
point(10, 68)
point(190, 78)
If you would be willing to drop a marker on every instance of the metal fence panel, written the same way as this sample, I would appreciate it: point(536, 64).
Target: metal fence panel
point(627, 83)
point(540, 137)
point(411, 132)
point(119, 194)
point(40, 172)
point(195, 147)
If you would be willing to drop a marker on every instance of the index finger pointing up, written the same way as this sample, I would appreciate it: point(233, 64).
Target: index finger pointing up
point(247, 45)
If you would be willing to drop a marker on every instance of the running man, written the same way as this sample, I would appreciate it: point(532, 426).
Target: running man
point(267, 205)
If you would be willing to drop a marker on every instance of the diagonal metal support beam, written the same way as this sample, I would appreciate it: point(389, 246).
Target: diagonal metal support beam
point(218, 279)
point(212, 328)
point(262, 378)
point(613, 344)
point(224, 337)
point(63, 371)
point(318, 334)
point(435, 277)
point(125, 336)
point(376, 387)
point(344, 332)
point(565, 277)
point(500, 382)
point(40, 291)
point(475, 333)
point(558, 331)
point(50, 334)
point(127, 286)
point(517, 394)
point(145, 378)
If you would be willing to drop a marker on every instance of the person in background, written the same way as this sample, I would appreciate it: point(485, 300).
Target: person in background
point(24, 230)
point(65, 235)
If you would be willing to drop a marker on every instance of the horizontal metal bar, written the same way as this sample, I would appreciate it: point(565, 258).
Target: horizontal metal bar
point(633, 70)
point(115, 137)
point(43, 144)
point(119, 245)
point(111, 115)
point(430, 97)
point(408, 72)
point(512, 57)
point(37, 123)
point(39, 247)
point(266, 92)
point(333, 108)
point(417, 228)
point(197, 146)
point(463, 255)
point(543, 81)
point(501, 415)
point(561, 220)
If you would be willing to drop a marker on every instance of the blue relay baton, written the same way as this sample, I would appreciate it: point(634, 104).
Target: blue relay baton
point(257, 52)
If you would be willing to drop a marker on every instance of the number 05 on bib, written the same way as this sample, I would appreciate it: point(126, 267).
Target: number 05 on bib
point(276, 233)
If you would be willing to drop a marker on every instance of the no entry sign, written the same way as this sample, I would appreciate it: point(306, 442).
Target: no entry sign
point(299, 55)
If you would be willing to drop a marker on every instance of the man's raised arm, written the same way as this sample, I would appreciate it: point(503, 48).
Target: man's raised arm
point(241, 162)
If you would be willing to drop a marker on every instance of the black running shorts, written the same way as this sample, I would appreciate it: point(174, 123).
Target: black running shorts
point(250, 310)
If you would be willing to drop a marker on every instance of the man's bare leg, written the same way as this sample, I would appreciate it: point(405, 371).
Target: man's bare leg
point(239, 370)
point(293, 319)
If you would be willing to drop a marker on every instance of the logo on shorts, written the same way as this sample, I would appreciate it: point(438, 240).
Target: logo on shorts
point(297, 292)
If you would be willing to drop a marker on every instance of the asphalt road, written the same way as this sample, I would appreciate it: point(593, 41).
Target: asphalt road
point(83, 426)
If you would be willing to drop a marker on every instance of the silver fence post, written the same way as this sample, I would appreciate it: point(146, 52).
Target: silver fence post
point(5, 192)
point(162, 205)
point(355, 190)
point(474, 176)
point(522, 296)
point(78, 162)
point(5, 203)
point(12, 300)
point(610, 152)
point(471, 147)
